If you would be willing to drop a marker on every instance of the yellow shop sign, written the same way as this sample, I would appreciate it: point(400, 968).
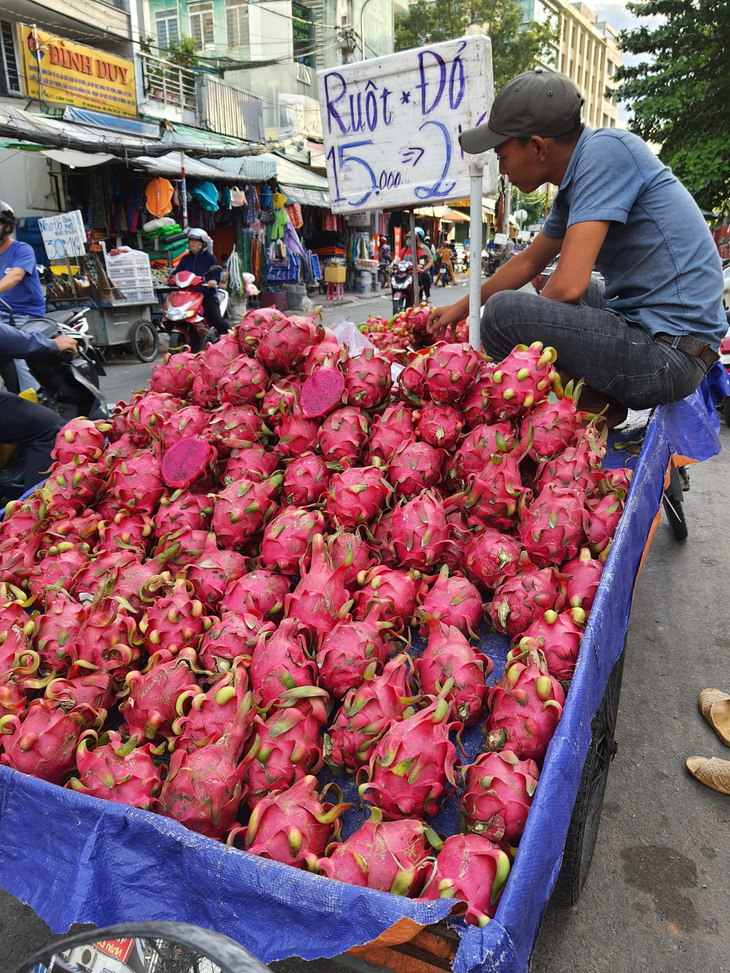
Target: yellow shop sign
point(58, 70)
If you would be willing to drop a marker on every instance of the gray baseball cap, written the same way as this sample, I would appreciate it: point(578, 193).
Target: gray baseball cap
point(538, 102)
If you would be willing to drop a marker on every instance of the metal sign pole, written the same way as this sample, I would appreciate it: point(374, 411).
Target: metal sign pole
point(476, 172)
point(414, 256)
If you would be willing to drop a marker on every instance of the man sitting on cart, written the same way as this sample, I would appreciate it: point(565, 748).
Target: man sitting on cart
point(651, 335)
point(199, 260)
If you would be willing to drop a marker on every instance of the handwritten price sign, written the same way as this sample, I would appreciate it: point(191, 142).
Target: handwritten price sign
point(391, 125)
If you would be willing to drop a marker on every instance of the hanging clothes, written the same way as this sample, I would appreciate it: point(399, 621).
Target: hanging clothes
point(294, 212)
point(206, 194)
point(158, 196)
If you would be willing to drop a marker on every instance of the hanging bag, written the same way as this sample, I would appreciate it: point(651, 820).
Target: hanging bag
point(238, 197)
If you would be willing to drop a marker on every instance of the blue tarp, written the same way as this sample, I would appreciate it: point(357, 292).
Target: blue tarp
point(77, 859)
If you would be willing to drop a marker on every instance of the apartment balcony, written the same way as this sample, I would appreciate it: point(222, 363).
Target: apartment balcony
point(100, 18)
point(167, 84)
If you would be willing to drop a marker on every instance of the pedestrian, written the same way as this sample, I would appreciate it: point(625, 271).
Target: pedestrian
point(651, 335)
point(713, 772)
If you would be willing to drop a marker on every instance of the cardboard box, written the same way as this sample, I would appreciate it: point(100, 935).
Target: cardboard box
point(334, 275)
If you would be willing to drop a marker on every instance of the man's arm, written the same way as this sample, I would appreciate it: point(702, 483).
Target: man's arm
point(21, 344)
point(11, 278)
point(578, 255)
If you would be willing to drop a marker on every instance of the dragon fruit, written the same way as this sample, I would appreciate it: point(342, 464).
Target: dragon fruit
point(582, 577)
point(58, 569)
point(69, 489)
point(490, 557)
point(297, 436)
point(351, 652)
point(412, 766)
point(80, 441)
point(137, 481)
point(203, 393)
point(553, 425)
point(368, 380)
point(553, 525)
point(94, 690)
point(107, 638)
point(244, 382)
point(439, 425)
point(117, 770)
point(420, 531)
point(356, 496)
point(476, 407)
point(182, 509)
point(305, 480)
point(342, 435)
point(286, 341)
point(524, 709)
point(126, 532)
point(44, 743)
point(366, 713)
point(493, 496)
point(320, 599)
point(55, 632)
point(558, 635)
point(286, 745)
point(280, 662)
point(230, 639)
point(147, 414)
point(604, 514)
point(498, 792)
point(412, 380)
point(18, 682)
point(175, 374)
point(322, 392)
point(153, 694)
point(390, 430)
point(450, 372)
point(242, 508)
point(190, 463)
point(211, 714)
point(252, 463)
point(281, 399)
point(521, 600)
point(259, 592)
point(452, 601)
point(479, 446)
point(394, 593)
point(449, 666)
point(212, 572)
point(189, 421)
point(288, 538)
point(293, 827)
point(522, 379)
point(237, 427)
point(323, 354)
point(415, 466)
point(218, 357)
point(471, 868)
point(352, 550)
point(174, 621)
point(575, 464)
point(391, 856)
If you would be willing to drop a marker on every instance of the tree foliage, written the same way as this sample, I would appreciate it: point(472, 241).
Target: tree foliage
point(679, 91)
point(513, 49)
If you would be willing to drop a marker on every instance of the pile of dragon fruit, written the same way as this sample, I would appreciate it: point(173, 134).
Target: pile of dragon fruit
point(221, 589)
point(404, 330)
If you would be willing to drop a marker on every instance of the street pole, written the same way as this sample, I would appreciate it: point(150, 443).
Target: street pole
point(476, 174)
point(414, 257)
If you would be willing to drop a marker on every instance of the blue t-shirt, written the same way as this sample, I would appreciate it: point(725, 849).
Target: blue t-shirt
point(660, 263)
point(26, 297)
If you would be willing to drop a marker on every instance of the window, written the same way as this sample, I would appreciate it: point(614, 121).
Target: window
point(167, 28)
point(201, 25)
point(237, 23)
point(9, 79)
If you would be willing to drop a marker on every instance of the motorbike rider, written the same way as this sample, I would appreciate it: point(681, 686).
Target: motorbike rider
point(445, 255)
point(425, 262)
point(652, 334)
point(25, 423)
point(199, 260)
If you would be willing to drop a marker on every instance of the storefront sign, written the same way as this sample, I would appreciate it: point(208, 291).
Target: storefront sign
point(60, 71)
point(391, 125)
point(63, 235)
point(118, 948)
point(358, 219)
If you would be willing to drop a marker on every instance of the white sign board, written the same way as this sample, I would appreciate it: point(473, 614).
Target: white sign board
point(500, 239)
point(391, 125)
point(63, 235)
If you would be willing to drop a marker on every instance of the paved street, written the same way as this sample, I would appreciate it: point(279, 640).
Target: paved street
point(656, 897)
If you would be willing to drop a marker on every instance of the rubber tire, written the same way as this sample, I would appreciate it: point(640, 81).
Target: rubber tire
point(383, 278)
point(580, 842)
point(726, 409)
point(145, 341)
point(675, 517)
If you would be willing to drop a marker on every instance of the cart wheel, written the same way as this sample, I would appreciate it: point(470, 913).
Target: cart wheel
point(726, 409)
point(675, 517)
point(145, 341)
point(583, 830)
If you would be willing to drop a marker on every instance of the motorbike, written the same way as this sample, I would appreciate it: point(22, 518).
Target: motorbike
point(384, 267)
point(725, 362)
point(182, 312)
point(443, 277)
point(490, 263)
point(401, 283)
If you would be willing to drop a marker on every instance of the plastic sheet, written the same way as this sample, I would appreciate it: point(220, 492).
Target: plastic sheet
point(77, 859)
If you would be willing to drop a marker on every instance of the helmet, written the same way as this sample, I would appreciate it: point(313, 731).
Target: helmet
point(196, 233)
point(420, 232)
point(6, 214)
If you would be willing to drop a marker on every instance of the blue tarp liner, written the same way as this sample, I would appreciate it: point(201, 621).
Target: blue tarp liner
point(77, 859)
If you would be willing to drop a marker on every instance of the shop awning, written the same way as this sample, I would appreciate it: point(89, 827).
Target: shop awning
point(170, 165)
point(76, 159)
point(300, 185)
point(306, 197)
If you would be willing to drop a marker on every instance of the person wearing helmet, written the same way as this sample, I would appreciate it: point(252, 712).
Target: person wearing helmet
point(425, 261)
point(25, 424)
point(200, 261)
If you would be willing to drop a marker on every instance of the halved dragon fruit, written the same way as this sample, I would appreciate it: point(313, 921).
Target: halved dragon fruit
point(188, 460)
point(321, 392)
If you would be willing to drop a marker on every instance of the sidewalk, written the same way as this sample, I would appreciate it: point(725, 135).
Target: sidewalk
point(355, 297)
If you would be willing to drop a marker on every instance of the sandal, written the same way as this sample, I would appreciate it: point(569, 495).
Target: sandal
point(715, 707)
point(710, 771)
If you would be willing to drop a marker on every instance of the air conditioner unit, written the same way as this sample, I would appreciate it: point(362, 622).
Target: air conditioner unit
point(303, 74)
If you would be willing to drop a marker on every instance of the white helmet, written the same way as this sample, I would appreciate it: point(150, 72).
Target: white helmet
point(196, 233)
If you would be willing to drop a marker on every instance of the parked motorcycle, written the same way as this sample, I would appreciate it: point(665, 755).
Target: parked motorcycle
point(182, 313)
point(401, 283)
point(490, 263)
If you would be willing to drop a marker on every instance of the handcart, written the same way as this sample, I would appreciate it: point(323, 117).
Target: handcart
point(79, 859)
point(125, 323)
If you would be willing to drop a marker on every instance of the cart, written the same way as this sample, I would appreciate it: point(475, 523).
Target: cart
point(125, 323)
point(79, 859)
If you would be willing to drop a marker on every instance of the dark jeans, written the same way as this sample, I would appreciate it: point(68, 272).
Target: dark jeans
point(613, 356)
point(33, 426)
point(424, 283)
point(212, 312)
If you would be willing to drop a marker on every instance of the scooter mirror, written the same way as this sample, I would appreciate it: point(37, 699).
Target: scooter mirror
point(140, 947)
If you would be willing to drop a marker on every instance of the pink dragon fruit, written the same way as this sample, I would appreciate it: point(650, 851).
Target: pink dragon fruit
point(126, 532)
point(147, 415)
point(44, 743)
point(415, 466)
point(237, 427)
point(107, 638)
point(439, 425)
point(521, 600)
point(252, 463)
point(231, 639)
point(117, 770)
point(522, 379)
point(212, 714)
point(182, 509)
point(412, 380)
point(80, 441)
point(305, 480)
point(219, 357)
point(394, 593)
point(68, 489)
point(280, 661)
point(603, 517)
point(18, 682)
point(55, 632)
point(242, 508)
point(342, 435)
point(553, 425)
point(175, 374)
point(553, 525)
point(412, 766)
point(575, 465)
point(452, 601)
point(297, 436)
point(381, 538)
point(498, 792)
point(286, 746)
point(281, 400)
point(189, 421)
point(368, 380)
point(582, 577)
point(391, 856)
point(322, 392)
point(293, 827)
point(174, 621)
point(320, 599)
point(489, 557)
point(153, 694)
point(450, 667)
point(450, 372)
point(182, 547)
point(356, 496)
point(286, 341)
point(615, 481)
point(94, 690)
point(420, 531)
point(288, 538)
point(191, 463)
point(137, 481)
point(366, 713)
point(259, 592)
point(58, 569)
point(322, 354)
point(493, 496)
point(244, 382)
point(390, 430)
point(524, 709)
point(471, 868)
point(212, 572)
point(351, 652)
point(558, 635)
point(352, 550)
point(479, 446)
point(204, 394)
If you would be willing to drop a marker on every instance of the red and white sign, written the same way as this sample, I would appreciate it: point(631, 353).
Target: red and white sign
point(118, 948)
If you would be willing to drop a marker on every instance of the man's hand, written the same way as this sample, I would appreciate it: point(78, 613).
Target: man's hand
point(66, 343)
point(444, 318)
point(212, 283)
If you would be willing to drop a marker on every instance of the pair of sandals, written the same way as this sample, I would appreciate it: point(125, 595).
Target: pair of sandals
point(712, 771)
